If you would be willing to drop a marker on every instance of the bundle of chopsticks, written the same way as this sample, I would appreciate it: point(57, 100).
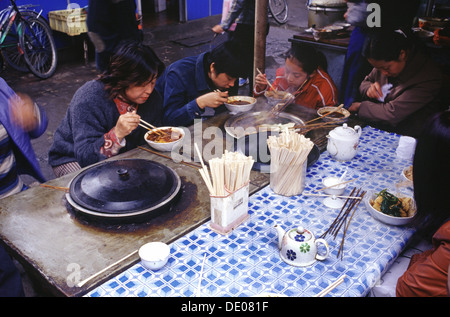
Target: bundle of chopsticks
point(228, 173)
point(288, 152)
point(342, 221)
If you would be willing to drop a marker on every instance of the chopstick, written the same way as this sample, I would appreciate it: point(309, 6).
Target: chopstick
point(342, 183)
point(65, 189)
point(150, 127)
point(193, 165)
point(268, 82)
point(80, 284)
point(330, 287)
point(326, 195)
point(197, 293)
point(332, 111)
point(204, 171)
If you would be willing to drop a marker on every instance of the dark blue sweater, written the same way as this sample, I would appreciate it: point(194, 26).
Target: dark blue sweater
point(90, 115)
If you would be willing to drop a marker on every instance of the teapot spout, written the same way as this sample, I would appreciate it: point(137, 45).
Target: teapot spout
point(281, 233)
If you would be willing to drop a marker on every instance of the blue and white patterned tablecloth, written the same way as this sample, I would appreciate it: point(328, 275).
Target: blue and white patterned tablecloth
point(246, 262)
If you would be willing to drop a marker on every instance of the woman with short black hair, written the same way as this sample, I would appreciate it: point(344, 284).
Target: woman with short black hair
point(103, 117)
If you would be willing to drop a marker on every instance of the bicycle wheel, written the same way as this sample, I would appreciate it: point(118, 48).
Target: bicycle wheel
point(11, 51)
point(38, 45)
point(279, 10)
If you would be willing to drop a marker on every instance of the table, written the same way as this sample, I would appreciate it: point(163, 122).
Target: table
point(246, 262)
point(58, 250)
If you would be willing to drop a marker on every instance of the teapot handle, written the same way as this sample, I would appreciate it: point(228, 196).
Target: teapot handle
point(358, 129)
point(332, 148)
point(324, 256)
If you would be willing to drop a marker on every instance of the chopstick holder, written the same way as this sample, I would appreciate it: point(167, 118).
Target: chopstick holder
point(228, 212)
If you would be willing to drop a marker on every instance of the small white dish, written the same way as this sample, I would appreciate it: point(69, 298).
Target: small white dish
point(334, 202)
point(154, 255)
point(340, 115)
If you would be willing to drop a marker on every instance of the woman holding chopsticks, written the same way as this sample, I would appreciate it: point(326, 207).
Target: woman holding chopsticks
point(103, 118)
point(302, 76)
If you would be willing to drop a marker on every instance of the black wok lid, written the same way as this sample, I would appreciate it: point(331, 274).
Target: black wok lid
point(124, 186)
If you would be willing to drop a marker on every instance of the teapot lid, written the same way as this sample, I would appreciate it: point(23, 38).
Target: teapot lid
point(300, 234)
point(344, 132)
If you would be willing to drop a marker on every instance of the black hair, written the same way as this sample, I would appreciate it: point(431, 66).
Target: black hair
point(431, 172)
point(386, 44)
point(133, 63)
point(308, 57)
point(228, 59)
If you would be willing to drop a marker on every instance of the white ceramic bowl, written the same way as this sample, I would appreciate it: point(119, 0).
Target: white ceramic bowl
point(165, 146)
point(235, 108)
point(154, 255)
point(274, 98)
point(336, 190)
point(407, 170)
point(343, 114)
point(387, 219)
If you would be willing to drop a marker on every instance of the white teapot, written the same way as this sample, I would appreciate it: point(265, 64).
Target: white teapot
point(298, 246)
point(343, 142)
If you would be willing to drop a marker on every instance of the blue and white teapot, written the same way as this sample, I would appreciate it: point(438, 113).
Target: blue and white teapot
point(299, 247)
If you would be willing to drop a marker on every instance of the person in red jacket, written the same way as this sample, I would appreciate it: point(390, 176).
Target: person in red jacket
point(427, 273)
point(302, 76)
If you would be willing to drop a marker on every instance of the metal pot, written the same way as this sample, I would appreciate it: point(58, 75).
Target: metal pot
point(320, 16)
point(123, 191)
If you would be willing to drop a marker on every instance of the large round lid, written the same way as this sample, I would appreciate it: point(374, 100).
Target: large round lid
point(124, 186)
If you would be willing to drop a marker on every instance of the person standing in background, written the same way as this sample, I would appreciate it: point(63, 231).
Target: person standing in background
point(241, 17)
point(109, 23)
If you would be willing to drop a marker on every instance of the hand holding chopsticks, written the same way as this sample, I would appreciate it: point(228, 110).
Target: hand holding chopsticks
point(267, 81)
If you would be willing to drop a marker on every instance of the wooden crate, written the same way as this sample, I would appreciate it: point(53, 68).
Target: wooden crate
point(71, 22)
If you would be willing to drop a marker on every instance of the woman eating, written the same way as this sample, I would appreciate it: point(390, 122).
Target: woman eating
point(303, 77)
point(404, 86)
point(104, 115)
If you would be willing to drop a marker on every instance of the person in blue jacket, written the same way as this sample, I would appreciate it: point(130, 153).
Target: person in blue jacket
point(194, 86)
point(20, 121)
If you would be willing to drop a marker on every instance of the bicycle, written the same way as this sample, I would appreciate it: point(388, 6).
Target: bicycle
point(279, 10)
point(26, 41)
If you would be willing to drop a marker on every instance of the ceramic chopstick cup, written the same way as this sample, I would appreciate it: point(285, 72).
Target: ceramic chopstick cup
point(332, 186)
point(406, 147)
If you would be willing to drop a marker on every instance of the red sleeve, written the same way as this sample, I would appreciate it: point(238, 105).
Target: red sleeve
point(427, 274)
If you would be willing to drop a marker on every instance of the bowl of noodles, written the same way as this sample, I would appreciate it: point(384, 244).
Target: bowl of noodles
point(164, 139)
point(390, 208)
point(237, 104)
point(276, 97)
